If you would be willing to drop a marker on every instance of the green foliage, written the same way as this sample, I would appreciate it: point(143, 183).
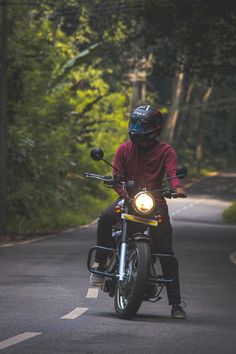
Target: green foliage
point(230, 213)
point(51, 131)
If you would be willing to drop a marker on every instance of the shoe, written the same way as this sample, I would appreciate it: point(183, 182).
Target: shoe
point(96, 279)
point(177, 312)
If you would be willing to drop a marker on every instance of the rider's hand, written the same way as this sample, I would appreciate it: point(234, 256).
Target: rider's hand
point(181, 192)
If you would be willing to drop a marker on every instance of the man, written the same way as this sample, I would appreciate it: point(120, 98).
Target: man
point(145, 160)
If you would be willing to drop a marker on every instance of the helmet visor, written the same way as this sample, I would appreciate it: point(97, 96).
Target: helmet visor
point(140, 125)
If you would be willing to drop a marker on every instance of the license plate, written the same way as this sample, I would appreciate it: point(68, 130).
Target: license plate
point(139, 219)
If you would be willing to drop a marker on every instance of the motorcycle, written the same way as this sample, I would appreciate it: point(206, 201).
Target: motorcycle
point(131, 274)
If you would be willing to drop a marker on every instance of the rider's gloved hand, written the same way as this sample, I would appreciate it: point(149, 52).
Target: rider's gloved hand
point(181, 192)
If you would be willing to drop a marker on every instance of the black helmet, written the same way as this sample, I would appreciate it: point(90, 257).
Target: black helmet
point(145, 124)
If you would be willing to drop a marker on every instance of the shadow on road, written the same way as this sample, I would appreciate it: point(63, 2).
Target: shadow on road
point(148, 318)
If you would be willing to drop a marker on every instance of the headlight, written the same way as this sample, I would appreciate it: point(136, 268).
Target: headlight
point(143, 203)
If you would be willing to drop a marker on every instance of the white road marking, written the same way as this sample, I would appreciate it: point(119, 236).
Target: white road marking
point(177, 211)
point(16, 243)
point(191, 205)
point(7, 245)
point(17, 339)
point(78, 311)
point(92, 293)
point(233, 257)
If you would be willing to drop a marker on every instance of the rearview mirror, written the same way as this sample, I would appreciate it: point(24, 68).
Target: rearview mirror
point(97, 154)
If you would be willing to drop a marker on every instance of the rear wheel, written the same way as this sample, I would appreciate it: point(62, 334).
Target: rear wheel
point(130, 292)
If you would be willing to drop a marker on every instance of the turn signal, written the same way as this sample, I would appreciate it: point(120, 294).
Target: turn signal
point(159, 218)
point(117, 209)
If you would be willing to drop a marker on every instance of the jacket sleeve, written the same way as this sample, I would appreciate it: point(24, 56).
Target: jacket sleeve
point(171, 167)
point(119, 164)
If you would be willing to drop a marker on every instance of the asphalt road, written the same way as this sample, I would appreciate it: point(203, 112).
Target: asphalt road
point(47, 306)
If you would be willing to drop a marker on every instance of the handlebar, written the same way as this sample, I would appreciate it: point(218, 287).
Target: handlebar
point(117, 180)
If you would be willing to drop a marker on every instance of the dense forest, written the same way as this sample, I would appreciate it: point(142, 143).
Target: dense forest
point(72, 71)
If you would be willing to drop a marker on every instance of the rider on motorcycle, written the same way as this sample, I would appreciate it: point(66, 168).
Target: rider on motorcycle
point(145, 160)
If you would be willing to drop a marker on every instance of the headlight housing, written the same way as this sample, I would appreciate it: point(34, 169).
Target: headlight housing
point(144, 203)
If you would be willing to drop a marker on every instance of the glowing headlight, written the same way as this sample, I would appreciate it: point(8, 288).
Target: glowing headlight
point(143, 203)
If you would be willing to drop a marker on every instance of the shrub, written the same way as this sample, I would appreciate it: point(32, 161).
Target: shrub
point(230, 213)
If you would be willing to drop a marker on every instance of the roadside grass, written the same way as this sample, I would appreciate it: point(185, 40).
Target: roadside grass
point(51, 220)
point(208, 173)
point(229, 213)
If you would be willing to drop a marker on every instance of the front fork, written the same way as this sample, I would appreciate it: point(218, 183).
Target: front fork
point(123, 249)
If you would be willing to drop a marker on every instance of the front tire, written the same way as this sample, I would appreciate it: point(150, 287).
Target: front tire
point(130, 292)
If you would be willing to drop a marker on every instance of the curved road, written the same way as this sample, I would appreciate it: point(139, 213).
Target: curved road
point(46, 305)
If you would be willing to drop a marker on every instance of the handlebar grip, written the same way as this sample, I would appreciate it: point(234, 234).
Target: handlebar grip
point(99, 177)
point(92, 175)
point(172, 194)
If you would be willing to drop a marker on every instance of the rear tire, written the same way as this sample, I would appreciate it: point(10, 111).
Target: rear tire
point(130, 292)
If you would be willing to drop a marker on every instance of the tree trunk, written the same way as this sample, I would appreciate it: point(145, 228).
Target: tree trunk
point(199, 149)
point(177, 93)
point(3, 117)
point(185, 113)
point(139, 80)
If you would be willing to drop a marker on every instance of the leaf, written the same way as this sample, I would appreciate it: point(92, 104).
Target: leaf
point(77, 60)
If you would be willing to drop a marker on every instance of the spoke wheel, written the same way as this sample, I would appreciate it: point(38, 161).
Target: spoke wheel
point(130, 292)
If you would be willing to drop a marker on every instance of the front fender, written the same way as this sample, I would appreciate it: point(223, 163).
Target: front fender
point(139, 236)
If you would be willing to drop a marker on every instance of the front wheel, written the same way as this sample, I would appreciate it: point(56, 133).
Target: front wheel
point(130, 292)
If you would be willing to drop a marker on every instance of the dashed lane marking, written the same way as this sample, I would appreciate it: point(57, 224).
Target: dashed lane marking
point(177, 211)
point(17, 339)
point(92, 293)
point(78, 311)
point(233, 257)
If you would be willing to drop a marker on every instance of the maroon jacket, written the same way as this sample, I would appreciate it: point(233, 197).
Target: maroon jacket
point(146, 167)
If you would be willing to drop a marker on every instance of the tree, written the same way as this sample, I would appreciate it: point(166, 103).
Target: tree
point(62, 104)
point(3, 115)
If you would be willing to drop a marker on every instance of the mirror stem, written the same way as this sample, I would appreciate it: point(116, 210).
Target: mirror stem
point(116, 171)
